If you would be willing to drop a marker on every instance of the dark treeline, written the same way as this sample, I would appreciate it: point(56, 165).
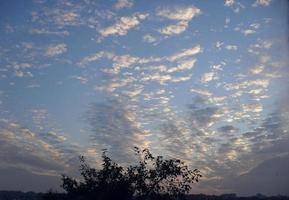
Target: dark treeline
point(17, 195)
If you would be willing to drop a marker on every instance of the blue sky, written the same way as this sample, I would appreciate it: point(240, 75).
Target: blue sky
point(203, 81)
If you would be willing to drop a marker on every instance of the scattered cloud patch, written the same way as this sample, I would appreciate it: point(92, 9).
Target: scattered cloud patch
point(181, 14)
point(174, 29)
point(55, 50)
point(186, 53)
point(262, 3)
point(44, 31)
point(123, 25)
point(231, 47)
point(149, 38)
point(123, 4)
point(229, 2)
point(210, 76)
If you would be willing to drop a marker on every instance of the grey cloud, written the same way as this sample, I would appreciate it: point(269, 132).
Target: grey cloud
point(17, 179)
point(114, 126)
point(270, 178)
point(201, 114)
point(27, 150)
point(228, 129)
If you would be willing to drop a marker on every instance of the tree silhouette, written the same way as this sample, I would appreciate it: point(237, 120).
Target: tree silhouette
point(151, 178)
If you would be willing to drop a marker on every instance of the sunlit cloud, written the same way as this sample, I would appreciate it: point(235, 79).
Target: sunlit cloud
point(124, 24)
point(183, 15)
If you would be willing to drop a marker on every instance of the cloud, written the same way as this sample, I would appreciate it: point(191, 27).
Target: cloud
point(249, 30)
point(262, 3)
point(260, 83)
point(182, 78)
point(210, 76)
point(231, 47)
point(27, 151)
point(257, 69)
point(96, 56)
point(115, 126)
point(175, 29)
point(228, 129)
point(123, 4)
point(44, 31)
point(235, 5)
point(202, 115)
point(205, 93)
point(181, 14)
point(252, 108)
point(186, 53)
point(184, 65)
point(211, 98)
point(149, 39)
point(123, 25)
point(135, 92)
point(259, 46)
point(81, 79)
point(219, 44)
point(273, 171)
point(15, 179)
point(229, 2)
point(55, 50)
point(158, 77)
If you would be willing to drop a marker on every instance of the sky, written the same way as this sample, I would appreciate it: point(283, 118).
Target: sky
point(203, 81)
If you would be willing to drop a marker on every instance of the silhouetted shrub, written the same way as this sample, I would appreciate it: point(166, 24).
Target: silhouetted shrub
point(151, 178)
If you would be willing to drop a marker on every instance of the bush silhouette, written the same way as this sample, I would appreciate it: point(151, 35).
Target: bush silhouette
point(151, 178)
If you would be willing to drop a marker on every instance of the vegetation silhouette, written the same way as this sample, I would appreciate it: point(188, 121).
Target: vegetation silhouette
point(151, 178)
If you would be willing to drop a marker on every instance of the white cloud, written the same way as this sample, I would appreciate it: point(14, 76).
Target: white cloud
point(123, 4)
point(251, 29)
point(207, 77)
point(248, 32)
point(44, 31)
point(257, 69)
point(123, 25)
point(252, 108)
point(96, 56)
point(183, 78)
point(54, 50)
point(186, 52)
point(261, 83)
point(174, 29)
point(69, 16)
point(231, 47)
point(180, 13)
point(23, 74)
point(262, 3)
point(149, 39)
point(236, 6)
point(134, 93)
point(185, 65)
point(260, 45)
point(229, 2)
point(202, 92)
point(82, 79)
point(219, 44)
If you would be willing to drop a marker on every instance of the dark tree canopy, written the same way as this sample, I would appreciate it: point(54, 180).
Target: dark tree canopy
point(151, 178)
